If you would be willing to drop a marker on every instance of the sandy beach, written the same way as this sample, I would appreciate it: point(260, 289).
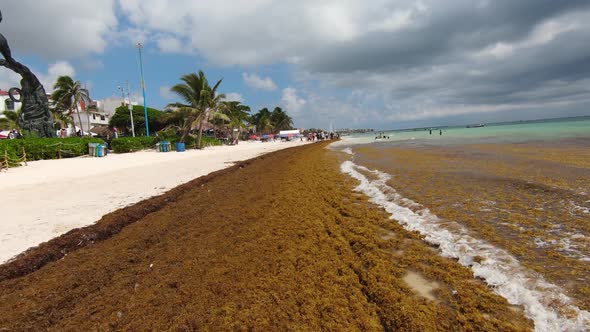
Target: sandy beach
point(281, 242)
point(50, 197)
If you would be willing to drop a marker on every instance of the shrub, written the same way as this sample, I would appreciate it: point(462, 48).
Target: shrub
point(173, 136)
point(44, 148)
point(207, 141)
point(132, 144)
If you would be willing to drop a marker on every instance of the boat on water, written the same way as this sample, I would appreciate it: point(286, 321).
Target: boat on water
point(476, 125)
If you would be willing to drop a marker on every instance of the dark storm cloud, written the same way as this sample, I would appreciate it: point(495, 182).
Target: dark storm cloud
point(462, 53)
point(446, 31)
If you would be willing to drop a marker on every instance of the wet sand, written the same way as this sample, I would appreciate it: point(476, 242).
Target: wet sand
point(277, 243)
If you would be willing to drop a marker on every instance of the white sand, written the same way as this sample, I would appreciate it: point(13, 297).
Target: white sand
point(48, 198)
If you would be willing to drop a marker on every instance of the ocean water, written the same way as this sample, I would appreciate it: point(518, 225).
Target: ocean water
point(510, 201)
point(544, 130)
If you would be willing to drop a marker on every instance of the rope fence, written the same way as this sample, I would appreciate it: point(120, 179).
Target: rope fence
point(8, 161)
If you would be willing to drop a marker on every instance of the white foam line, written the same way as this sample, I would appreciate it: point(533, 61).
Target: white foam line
point(543, 302)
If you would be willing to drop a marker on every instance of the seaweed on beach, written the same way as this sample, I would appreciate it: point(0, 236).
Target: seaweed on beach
point(530, 199)
point(279, 243)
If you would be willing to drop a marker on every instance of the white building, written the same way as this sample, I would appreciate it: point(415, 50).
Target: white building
point(93, 114)
point(109, 105)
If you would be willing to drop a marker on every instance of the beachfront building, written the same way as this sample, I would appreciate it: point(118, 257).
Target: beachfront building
point(6, 104)
point(91, 113)
point(110, 105)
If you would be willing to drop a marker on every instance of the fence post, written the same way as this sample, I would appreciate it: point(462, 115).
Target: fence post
point(6, 158)
point(25, 156)
point(59, 150)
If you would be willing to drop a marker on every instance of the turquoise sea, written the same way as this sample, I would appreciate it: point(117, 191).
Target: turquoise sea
point(537, 130)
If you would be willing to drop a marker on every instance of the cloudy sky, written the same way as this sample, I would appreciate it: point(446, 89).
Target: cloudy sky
point(372, 63)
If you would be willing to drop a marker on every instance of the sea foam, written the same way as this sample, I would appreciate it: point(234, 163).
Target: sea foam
point(543, 302)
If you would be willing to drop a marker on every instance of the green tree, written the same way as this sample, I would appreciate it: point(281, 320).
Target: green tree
point(238, 116)
point(120, 119)
point(281, 120)
point(262, 121)
point(201, 102)
point(60, 115)
point(68, 94)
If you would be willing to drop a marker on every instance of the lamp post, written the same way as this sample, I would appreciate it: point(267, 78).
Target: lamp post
point(128, 104)
point(142, 82)
point(130, 109)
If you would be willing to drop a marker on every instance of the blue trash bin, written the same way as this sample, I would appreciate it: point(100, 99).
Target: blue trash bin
point(164, 146)
point(180, 147)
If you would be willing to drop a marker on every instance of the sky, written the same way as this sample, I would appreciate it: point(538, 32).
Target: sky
point(382, 64)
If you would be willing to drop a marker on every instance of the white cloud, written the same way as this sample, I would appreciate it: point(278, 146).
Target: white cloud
point(166, 93)
point(9, 79)
point(234, 96)
point(58, 30)
point(257, 82)
point(60, 68)
point(170, 44)
point(415, 55)
point(292, 103)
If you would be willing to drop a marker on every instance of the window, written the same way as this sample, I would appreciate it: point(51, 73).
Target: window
point(102, 117)
point(93, 116)
point(9, 105)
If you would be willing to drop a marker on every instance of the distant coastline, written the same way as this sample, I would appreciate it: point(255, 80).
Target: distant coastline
point(433, 127)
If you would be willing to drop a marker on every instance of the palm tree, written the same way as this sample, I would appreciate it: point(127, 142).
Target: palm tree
point(61, 115)
point(263, 121)
point(201, 102)
point(238, 115)
point(281, 120)
point(68, 94)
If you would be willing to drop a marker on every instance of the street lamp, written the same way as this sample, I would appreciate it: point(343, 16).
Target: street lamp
point(142, 82)
point(122, 89)
point(130, 109)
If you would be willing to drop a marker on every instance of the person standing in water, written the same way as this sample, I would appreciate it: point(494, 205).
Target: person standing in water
point(440, 132)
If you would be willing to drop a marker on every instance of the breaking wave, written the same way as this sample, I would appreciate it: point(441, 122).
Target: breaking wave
point(543, 302)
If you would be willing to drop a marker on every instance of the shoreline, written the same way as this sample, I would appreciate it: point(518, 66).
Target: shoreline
point(278, 242)
point(48, 198)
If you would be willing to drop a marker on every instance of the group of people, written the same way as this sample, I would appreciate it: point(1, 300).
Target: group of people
point(440, 132)
point(14, 134)
point(321, 136)
point(63, 133)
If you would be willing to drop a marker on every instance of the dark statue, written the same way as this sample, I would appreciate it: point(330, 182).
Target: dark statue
point(35, 116)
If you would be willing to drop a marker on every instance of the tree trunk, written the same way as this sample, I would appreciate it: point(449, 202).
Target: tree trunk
point(200, 135)
point(73, 122)
point(79, 119)
point(186, 128)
